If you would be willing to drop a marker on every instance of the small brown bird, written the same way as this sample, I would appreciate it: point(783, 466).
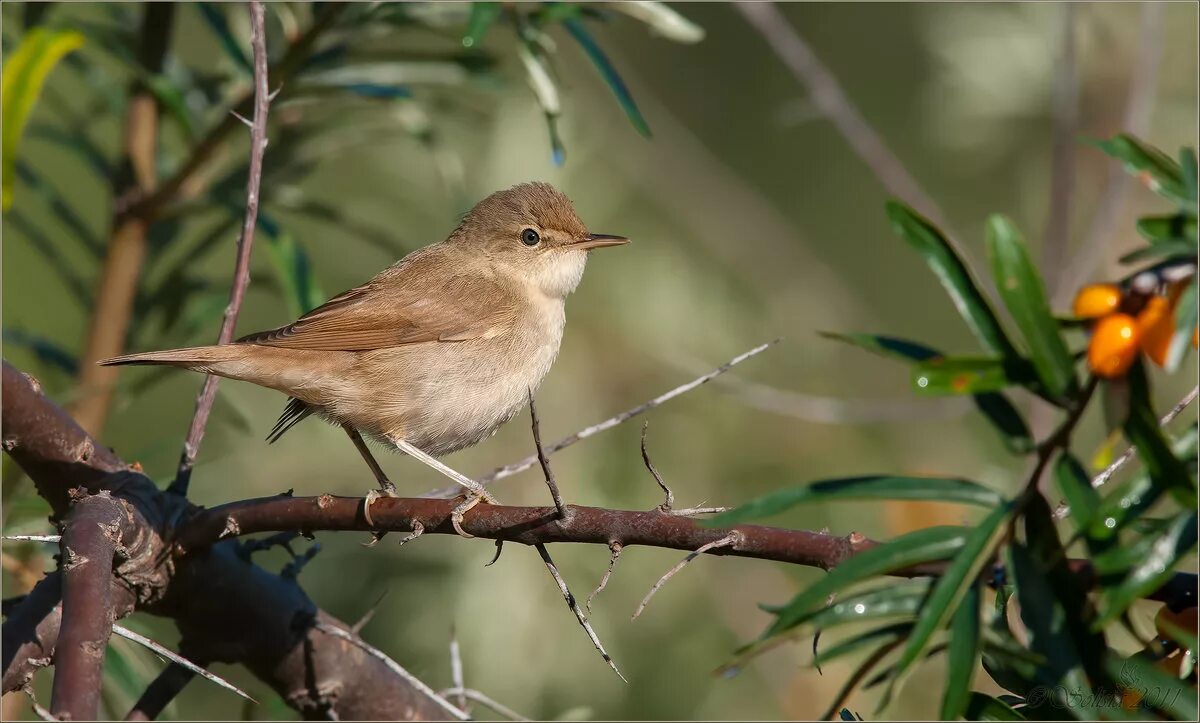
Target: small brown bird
point(437, 351)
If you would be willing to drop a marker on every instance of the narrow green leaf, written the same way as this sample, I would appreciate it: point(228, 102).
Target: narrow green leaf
point(1076, 487)
point(1166, 250)
point(25, 71)
point(1187, 162)
point(1186, 318)
point(901, 598)
point(48, 352)
point(1125, 506)
point(1158, 170)
point(885, 634)
point(941, 489)
point(886, 346)
point(214, 18)
point(996, 407)
point(1160, 690)
point(1142, 429)
point(575, 27)
point(950, 270)
point(950, 589)
point(1176, 227)
point(924, 545)
point(1025, 296)
point(985, 707)
point(960, 661)
point(1154, 568)
point(483, 14)
point(960, 375)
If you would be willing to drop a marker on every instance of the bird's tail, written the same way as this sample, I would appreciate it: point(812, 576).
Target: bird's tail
point(197, 357)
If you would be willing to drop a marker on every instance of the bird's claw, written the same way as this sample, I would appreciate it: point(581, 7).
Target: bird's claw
point(471, 499)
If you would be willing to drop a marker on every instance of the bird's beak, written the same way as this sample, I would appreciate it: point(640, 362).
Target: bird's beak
point(599, 241)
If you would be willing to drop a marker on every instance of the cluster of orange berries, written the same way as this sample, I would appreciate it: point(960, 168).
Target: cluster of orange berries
point(1125, 323)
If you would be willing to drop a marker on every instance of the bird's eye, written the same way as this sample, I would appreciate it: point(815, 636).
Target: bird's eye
point(529, 237)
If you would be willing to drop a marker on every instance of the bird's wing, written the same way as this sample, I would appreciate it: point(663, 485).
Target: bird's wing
point(409, 303)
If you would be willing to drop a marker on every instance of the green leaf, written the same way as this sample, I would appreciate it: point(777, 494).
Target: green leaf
point(1142, 429)
point(924, 545)
point(575, 27)
point(25, 71)
point(1025, 296)
point(950, 270)
point(960, 375)
point(1160, 690)
point(1154, 568)
point(960, 661)
point(48, 352)
point(1076, 487)
point(900, 598)
point(1168, 250)
point(985, 707)
point(292, 267)
point(1185, 326)
point(941, 489)
point(996, 407)
point(663, 20)
point(214, 18)
point(1176, 227)
point(950, 589)
point(886, 346)
point(1160, 172)
point(885, 634)
point(483, 14)
point(1187, 162)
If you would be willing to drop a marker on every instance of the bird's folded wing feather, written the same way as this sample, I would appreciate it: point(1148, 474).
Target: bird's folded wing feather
point(403, 305)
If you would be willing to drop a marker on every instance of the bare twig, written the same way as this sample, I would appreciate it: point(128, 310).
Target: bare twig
point(729, 540)
point(38, 710)
point(670, 498)
point(392, 665)
point(357, 627)
point(32, 538)
point(456, 672)
point(161, 691)
point(514, 468)
point(179, 660)
point(614, 549)
point(831, 100)
point(544, 461)
point(1139, 102)
point(574, 606)
point(1057, 234)
point(1063, 510)
point(241, 269)
point(90, 538)
point(474, 695)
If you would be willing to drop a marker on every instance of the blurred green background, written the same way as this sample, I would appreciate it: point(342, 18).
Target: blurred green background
point(752, 219)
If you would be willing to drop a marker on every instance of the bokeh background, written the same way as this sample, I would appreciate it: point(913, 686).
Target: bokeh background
point(752, 218)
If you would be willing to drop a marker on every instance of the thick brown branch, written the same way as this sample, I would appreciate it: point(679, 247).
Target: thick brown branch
point(241, 269)
point(90, 540)
point(30, 632)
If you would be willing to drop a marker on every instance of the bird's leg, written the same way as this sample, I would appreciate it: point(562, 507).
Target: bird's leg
point(386, 488)
point(476, 492)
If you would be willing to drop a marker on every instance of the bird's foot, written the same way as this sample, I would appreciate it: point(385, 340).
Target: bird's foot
point(470, 500)
point(388, 490)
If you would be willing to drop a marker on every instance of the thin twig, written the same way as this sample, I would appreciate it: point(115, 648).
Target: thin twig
point(614, 549)
point(38, 710)
point(830, 99)
point(241, 270)
point(696, 511)
point(544, 461)
point(456, 671)
point(1143, 82)
point(574, 606)
point(357, 627)
point(1057, 234)
point(179, 660)
point(393, 666)
point(1063, 510)
point(727, 541)
point(521, 466)
point(670, 498)
point(478, 697)
point(33, 538)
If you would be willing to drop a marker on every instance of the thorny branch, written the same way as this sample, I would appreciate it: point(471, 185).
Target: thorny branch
point(241, 269)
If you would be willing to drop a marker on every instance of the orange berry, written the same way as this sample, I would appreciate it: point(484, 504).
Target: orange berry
point(1157, 323)
point(1096, 300)
point(1114, 345)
